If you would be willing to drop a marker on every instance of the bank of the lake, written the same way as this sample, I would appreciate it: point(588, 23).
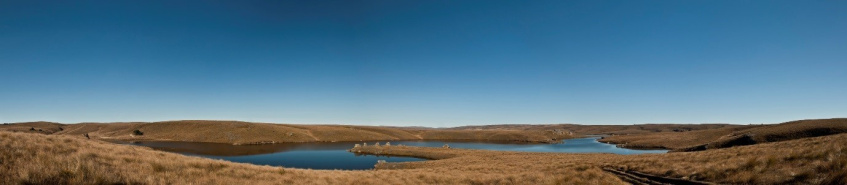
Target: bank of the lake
point(334, 155)
point(57, 159)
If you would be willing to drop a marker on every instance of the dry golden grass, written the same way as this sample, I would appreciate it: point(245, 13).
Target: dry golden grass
point(819, 160)
point(672, 140)
point(27, 158)
point(32, 127)
point(58, 159)
point(731, 136)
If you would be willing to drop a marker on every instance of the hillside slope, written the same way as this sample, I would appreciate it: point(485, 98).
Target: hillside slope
point(236, 132)
point(817, 160)
point(604, 129)
point(729, 137)
point(41, 127)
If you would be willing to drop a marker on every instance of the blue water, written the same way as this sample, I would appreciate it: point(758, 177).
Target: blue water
point(326, 159)
point(579, 145)
point(334, 155)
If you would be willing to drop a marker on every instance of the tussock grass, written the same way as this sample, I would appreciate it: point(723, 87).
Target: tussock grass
point(818, 160)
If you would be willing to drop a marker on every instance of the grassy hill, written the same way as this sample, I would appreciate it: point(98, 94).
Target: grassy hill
point(236, 132)
point(678, 137)
point(732, 136)
point(817, 160)
point(604, 129)
point(41, 127)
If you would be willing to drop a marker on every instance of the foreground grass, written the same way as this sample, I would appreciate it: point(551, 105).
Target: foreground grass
point(817, 160)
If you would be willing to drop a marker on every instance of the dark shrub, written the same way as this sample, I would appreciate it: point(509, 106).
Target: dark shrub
point(137, 132)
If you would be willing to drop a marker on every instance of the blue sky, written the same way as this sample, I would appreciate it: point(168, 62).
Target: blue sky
point(423, 63)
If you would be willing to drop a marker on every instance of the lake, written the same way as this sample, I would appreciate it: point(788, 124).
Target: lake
point(334, 155)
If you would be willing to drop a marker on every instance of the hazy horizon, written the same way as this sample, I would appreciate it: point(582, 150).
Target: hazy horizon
point(423, 63)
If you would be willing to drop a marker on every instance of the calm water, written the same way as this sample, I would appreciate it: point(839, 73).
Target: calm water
point(580, 145)
point(335, 155)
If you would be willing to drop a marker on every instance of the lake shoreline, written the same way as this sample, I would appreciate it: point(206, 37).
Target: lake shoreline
point(282, 154)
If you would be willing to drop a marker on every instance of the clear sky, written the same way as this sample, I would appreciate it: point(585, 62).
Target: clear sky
point(424, 63)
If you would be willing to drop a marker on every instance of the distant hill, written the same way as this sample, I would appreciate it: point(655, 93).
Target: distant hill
point(678, 137)
point(605, 129)
point(237, 132)
point(41, 127)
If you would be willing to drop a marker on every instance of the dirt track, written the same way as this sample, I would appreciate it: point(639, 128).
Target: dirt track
point(639, 178)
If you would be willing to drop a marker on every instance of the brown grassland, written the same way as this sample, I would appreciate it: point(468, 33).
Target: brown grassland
point(818, 160)
point(798, 152)
point(236, 132)
point(57, 159)
point(731, 136)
